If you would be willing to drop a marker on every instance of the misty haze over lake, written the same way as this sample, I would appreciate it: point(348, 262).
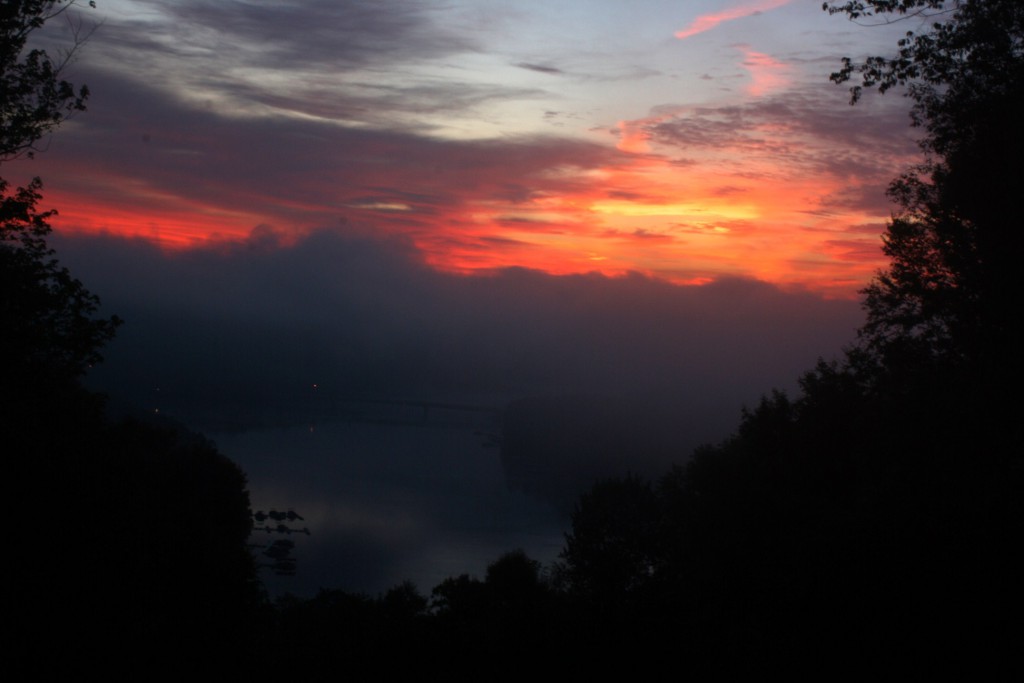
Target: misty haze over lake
point(387, 503)
point(253, 345)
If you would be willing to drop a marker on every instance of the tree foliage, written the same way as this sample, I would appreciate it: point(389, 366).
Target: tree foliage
point(50, 331)
point(608, 553)
point(138, 532)
point(49, 324)
point(34, 97)
point(947, 295)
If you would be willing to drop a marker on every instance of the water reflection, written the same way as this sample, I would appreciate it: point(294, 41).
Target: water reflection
point(386, 502)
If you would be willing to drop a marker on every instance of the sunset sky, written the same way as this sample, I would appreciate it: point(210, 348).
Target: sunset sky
point(686, 140)
point(285, 200)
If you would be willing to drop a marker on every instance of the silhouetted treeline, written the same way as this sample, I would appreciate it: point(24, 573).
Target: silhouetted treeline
point(842, 524)
point(126, 541)
point(130, 543)
point(871, 519)
point(519, 620)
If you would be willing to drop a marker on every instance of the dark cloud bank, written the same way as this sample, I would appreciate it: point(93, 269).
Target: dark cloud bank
point(235, 337)
point(590, 375)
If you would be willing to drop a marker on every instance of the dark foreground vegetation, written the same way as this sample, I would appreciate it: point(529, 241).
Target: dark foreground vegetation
point(872, 521)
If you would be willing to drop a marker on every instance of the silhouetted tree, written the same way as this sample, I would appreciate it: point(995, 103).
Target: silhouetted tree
point(610, 553)
point(514, 576)
point(50, 334)
point(50, 328)
point(136, 544)
point(878, 513)
point(462, 597)
point(404, 602)
point(507, 623)
point(949, 294)
point(939, 355)
point(34, 97)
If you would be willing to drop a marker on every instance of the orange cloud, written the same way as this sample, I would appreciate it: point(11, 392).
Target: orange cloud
point(740, 212)
point(767, 73)
point(709, 21)
point(766, 189)
point(182, 226)
point(673, 221)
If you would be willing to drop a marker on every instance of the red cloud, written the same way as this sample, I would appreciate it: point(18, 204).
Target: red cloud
point(709, 21)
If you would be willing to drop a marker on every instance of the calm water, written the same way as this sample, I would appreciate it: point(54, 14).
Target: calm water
point(389, 502)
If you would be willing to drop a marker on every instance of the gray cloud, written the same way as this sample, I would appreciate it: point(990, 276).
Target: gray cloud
point(809, 130)
point(298, 34)
point(295, 171)
point(243, 323)
point(540, 68)
point(355, 62)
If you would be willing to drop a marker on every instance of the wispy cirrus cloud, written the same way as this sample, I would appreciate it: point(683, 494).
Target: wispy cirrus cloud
point(360, 63)
point(707, 22)
point(296, 35)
